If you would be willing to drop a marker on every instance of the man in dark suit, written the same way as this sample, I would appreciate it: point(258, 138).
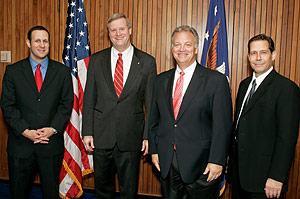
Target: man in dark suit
point(266, 126)
point(190, 123)
point(37, 99)
point(119, 84)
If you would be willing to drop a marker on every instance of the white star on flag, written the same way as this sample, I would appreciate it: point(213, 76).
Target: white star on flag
point(216, 10)
point(206, 36)
point(81, 33)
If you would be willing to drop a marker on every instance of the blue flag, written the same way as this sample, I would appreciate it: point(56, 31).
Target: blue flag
point(215, 48)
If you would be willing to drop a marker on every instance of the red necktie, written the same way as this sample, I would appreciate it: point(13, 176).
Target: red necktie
point(38, 77)
point(177, 97)
point(118, 77)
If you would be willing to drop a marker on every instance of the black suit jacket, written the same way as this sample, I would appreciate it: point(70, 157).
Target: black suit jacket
point(117, 121)
point(267, 131)
point(25, 108)
point(203, 126)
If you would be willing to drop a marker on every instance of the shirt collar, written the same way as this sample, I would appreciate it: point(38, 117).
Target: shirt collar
point(33, 63)
point(124, 53)
point(189, 69)
point(261, 77)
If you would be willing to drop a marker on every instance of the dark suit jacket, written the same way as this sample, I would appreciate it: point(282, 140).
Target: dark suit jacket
point(267, 131)
point(111, 120)
point(203, 126)
point(25, 108)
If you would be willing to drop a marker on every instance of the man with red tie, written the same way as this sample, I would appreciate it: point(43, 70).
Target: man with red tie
point(37, 100)
point(119, 86)
point(190, 123)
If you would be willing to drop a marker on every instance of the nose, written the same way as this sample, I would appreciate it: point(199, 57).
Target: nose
point(258, 57)
point(182, 47)
point(42, 44)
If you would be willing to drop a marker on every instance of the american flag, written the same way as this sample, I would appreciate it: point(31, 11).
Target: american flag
point(76, 54)
point(215, 48)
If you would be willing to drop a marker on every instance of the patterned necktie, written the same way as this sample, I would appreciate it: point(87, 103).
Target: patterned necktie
point(177, 98)
point(118, 77)
point(38, 77)
point(251, 92)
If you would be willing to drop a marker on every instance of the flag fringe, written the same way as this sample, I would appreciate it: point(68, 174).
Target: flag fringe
point(72, 175)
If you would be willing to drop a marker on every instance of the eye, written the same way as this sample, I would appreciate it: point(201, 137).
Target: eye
point(264, 52)
point(252, 53)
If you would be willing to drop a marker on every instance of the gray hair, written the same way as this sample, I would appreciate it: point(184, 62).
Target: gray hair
point(188, 29)
point(118, 16)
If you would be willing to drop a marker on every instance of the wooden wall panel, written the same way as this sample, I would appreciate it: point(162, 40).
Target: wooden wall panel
point(153, 22)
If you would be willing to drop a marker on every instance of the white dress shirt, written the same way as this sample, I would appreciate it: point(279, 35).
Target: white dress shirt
point(127, 59)
point(259, 80)
point(188, 73)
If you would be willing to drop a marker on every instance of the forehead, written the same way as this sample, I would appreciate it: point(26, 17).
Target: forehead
point(259, 45)
point(42, 34)
point(184, 36)
point(121, 22)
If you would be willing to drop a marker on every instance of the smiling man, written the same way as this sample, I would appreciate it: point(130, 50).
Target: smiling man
point(119, 84)
point(37, 100)
point(266, 126)
point(190, 123)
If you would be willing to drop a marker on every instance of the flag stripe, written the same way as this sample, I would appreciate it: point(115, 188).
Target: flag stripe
point(76, 55)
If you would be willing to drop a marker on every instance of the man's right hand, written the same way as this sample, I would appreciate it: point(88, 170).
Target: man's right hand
point(35, 136)
point(88, 142)
point(155, 161)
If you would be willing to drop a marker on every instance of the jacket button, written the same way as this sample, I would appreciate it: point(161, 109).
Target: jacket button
point(175, 126)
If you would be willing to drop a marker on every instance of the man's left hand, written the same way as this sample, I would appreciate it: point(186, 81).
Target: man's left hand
point(46, 131)
point(214, 171)
point(273, 188)
point(145, 147)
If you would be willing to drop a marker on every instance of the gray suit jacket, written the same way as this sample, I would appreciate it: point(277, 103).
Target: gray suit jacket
point(117, 121)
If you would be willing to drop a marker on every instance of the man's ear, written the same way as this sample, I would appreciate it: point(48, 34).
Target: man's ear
point(28, 43)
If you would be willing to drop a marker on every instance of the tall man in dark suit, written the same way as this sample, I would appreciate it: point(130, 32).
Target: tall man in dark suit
point(37, 100)
point(190, 123)
point(266, 126)
point(119, 84)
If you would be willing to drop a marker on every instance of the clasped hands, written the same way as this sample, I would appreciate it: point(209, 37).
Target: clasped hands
point(40, 135)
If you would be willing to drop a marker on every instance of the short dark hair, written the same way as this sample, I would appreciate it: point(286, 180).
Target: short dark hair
point(36, 28)
point(262, 37)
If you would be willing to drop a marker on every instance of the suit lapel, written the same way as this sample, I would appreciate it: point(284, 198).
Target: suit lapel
point(191, 91)
point(135, 67)
point(50, 74)
point(107, 73)
point(27, 70)
point(241, 95)
point(260, 91)
point(168, 91)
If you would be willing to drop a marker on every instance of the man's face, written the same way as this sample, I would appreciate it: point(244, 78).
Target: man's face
point(39, 45)
point(184, 49)
point(260, 57)
point(119, 34)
